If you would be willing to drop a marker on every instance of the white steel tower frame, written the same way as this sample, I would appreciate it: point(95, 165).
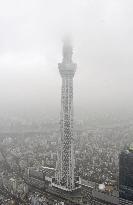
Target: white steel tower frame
point(66, 161)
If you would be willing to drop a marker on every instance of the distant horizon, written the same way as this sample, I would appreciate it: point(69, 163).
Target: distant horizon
point(31, 48)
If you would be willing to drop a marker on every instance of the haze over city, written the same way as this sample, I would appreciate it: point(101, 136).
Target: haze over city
point(31, 34)
point(66, 114)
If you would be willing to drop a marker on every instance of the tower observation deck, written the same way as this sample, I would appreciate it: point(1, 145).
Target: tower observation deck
point(66, 163)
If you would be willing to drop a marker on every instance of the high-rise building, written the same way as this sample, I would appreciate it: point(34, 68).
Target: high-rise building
point(126, 174)
point(65, 167)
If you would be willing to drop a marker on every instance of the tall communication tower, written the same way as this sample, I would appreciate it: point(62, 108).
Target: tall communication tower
point(66, 162)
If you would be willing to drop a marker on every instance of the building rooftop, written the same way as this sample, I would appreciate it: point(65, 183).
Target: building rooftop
point(105, 197)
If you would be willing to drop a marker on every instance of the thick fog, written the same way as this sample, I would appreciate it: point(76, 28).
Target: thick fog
point(31, 33)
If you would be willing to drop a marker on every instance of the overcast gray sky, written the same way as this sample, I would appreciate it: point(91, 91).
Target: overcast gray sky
point(31, 33)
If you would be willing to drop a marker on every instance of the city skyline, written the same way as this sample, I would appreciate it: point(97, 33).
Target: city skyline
point(66, 138)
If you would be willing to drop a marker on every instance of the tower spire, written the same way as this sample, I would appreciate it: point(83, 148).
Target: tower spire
point(67, 51)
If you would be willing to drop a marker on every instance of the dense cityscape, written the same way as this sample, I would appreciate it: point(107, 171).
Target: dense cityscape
point(97, 150)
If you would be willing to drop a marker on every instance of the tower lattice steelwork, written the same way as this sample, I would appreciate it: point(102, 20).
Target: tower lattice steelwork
point(66, 163)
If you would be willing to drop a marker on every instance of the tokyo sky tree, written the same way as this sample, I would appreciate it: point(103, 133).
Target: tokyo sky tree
point(66, 163)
